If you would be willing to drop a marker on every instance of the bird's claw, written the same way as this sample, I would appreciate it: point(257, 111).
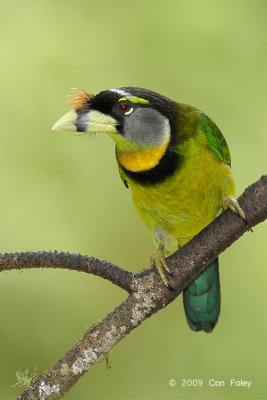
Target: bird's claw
point(158, 260)
point(232, 203)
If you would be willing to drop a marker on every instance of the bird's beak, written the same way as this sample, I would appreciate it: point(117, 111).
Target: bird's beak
point(86, 121)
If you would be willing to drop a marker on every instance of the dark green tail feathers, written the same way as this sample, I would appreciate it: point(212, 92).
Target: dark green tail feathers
point(202, 299)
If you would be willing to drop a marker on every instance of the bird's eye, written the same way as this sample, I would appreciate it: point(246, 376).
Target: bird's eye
point(125, 107)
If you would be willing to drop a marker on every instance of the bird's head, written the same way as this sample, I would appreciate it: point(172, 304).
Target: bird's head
point(135, 118)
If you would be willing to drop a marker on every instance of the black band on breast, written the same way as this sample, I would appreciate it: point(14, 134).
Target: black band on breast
point(167, 165)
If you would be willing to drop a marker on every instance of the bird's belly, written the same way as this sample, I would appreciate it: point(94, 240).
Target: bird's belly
point(186, 202)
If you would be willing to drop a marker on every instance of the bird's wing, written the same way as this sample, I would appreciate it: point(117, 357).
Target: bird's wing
point(216, 141)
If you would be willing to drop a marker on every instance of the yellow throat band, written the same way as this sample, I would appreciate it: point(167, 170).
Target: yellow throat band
point(143, 159)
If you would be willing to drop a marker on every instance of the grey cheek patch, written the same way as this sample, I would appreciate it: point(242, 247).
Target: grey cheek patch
point(146, 126)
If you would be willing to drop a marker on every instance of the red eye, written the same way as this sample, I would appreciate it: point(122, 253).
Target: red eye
point(123, 106)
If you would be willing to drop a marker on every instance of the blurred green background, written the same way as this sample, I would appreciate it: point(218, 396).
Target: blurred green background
point(63, 192)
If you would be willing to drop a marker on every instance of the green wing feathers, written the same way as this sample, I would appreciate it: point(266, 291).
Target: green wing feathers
point(202, 299)
point(216, 140)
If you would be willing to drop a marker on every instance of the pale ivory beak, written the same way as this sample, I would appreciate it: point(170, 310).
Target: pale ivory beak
point(91, 121)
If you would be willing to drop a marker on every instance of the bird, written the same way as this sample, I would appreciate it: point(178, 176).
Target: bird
point(177, 164)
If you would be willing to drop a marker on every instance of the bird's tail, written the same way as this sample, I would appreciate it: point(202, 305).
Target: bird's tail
point(202, 299)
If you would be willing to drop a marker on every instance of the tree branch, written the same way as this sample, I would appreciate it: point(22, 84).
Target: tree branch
point(147, 293)
point(75, 262)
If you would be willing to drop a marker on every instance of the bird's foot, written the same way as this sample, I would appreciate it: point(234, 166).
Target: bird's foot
point(158, 260)
point(232, 203)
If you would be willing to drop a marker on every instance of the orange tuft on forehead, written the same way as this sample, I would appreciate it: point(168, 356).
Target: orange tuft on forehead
point(80, 99)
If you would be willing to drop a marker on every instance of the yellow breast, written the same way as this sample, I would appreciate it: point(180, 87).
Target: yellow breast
point(188, 200)
point(143, 159)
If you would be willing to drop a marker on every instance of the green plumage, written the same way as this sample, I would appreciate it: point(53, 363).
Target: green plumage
point(202, 299)
point(216, 141)
point(198, 185)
